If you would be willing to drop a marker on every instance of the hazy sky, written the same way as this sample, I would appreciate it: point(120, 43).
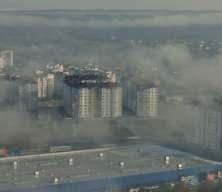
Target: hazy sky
point(111, 4)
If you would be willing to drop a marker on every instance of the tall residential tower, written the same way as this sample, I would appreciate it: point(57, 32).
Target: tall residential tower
point(142, 100)
point(92, 94)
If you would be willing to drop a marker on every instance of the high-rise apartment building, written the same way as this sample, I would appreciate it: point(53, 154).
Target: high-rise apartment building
point(106, 98)
point(28, 95)
point(59, 85)
point(147, 102)
point(96, 102)
point(116, 102)
point(6, 59)
point(111, 102)
point(92, 94)
point(200, 125)
point(50, 85)
point(142, 100)
point(42, 87)
point(46, 86)
point(210, 129)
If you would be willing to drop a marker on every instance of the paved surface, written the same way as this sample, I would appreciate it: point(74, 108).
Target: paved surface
point(75, 166)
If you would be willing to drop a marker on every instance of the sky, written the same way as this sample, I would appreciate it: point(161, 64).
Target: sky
point(112, 4)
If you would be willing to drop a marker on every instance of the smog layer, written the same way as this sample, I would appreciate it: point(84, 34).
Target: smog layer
point(181, 49)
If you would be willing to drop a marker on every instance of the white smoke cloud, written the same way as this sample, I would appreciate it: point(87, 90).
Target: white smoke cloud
point(176, 66)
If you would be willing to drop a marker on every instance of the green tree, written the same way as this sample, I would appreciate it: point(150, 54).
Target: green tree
point(181, 188)
point(209, 187)
point(166, 188)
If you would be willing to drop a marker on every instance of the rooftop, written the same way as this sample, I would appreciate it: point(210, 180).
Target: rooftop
point(85, 165)
point(88, 80)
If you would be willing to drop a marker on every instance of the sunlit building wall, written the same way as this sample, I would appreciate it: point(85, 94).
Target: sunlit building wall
point(147, 102)
point(89, 103)
point(46, 86)
point(42, 87)
point(116, 102)
point(143, 101)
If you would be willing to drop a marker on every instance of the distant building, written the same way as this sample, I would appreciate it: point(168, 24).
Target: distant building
point(147, 102)
point(111, 102)
point(86, 104)
point(59, 85)
point(49, 110)
point(55, 68)
point(201, 125)
point(46, 86)
point(92, 94)
point(28, 95)
point(106, 102)
point(51, 82)
point(8, 92)
point(42, 87)
point(209, 133)
point(93, 102)
point(6, 59)
point(116, 102)
point(142, 100)
point(50, 85)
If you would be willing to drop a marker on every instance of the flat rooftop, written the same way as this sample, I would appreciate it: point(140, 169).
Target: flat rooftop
point(86, 165)
point(89, 80)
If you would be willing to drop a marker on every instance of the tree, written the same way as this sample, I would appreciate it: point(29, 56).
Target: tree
point(181, 188)
point(166, 188)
